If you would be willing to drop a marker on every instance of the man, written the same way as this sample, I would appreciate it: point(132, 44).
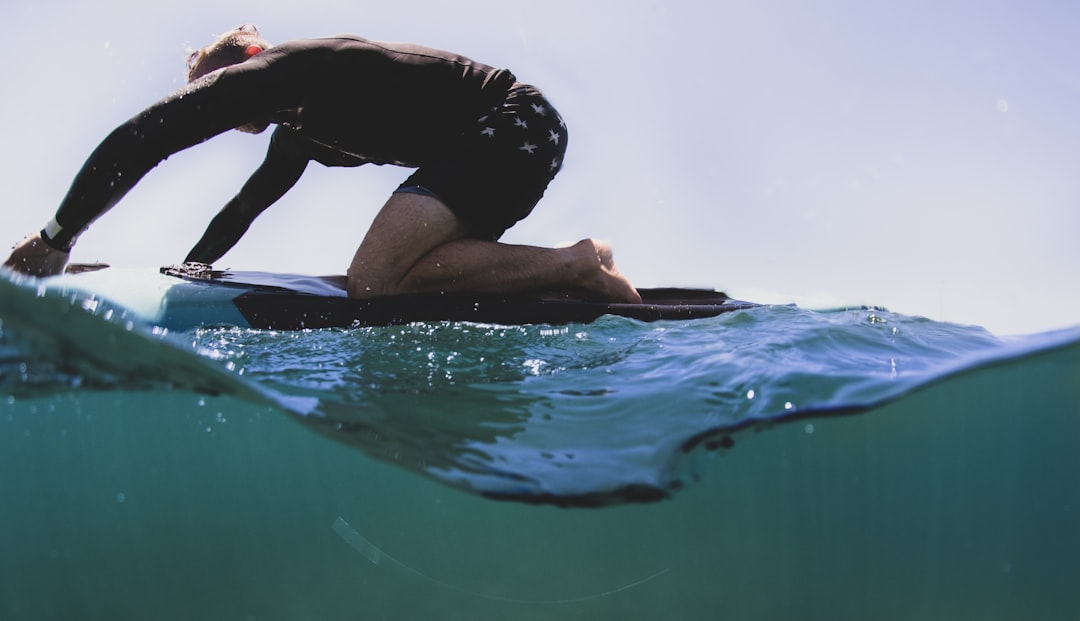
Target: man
point(484, 145)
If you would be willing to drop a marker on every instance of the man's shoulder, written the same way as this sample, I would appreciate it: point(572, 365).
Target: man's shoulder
point(331, 43)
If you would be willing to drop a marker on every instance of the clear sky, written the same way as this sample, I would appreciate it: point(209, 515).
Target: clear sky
point(919, 155)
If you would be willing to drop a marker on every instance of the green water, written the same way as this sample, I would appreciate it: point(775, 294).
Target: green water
point(954, 498)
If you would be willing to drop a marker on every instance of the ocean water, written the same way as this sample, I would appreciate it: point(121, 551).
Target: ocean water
point(774, 463)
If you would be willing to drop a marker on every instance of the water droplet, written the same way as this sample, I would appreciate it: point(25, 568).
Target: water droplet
point(809, 428)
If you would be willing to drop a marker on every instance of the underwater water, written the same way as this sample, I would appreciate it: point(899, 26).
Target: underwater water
point(773, 463)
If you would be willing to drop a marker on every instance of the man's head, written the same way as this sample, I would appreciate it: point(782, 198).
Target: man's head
point(235, 46)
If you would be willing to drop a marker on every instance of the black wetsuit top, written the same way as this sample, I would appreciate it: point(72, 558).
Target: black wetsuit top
point(341, 101)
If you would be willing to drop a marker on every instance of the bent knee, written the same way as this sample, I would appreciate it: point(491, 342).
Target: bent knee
point(364, 287)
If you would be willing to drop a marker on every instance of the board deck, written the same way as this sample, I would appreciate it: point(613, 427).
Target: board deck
point(186, 296)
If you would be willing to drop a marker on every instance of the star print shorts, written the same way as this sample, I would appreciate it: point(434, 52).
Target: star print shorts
point(503, 164)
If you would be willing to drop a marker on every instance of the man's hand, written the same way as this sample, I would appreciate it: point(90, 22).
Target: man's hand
point(34, 257)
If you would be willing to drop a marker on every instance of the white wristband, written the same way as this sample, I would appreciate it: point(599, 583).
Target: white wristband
point(53, 228)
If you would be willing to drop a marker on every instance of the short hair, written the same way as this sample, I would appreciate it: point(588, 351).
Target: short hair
point(230, 48)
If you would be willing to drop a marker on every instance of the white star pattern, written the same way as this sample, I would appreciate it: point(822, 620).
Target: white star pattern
point(540, 132)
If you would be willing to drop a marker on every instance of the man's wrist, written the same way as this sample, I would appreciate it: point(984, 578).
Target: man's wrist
point(52, 236)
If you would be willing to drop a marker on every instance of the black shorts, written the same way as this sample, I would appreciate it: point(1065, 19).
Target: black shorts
point(502, 167)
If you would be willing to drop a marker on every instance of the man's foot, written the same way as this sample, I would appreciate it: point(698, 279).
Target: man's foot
point(601, 276)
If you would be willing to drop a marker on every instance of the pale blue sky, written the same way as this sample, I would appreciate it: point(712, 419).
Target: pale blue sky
point(919, 155)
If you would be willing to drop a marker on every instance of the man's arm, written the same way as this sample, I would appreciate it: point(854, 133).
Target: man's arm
point(223, 100)
point(282, 168)
point(123, 158)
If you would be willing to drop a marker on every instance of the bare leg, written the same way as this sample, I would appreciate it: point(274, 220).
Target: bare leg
point(417, 244)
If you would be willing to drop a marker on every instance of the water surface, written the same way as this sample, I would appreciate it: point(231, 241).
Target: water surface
point(771, 463)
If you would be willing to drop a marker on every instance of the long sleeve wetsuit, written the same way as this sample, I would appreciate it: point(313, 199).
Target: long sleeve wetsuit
point(341, 101)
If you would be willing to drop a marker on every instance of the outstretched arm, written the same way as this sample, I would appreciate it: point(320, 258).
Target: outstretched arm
point(278, 173)
point(229, 98)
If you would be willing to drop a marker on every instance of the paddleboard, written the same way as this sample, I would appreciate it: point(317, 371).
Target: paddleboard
point(188, 296)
